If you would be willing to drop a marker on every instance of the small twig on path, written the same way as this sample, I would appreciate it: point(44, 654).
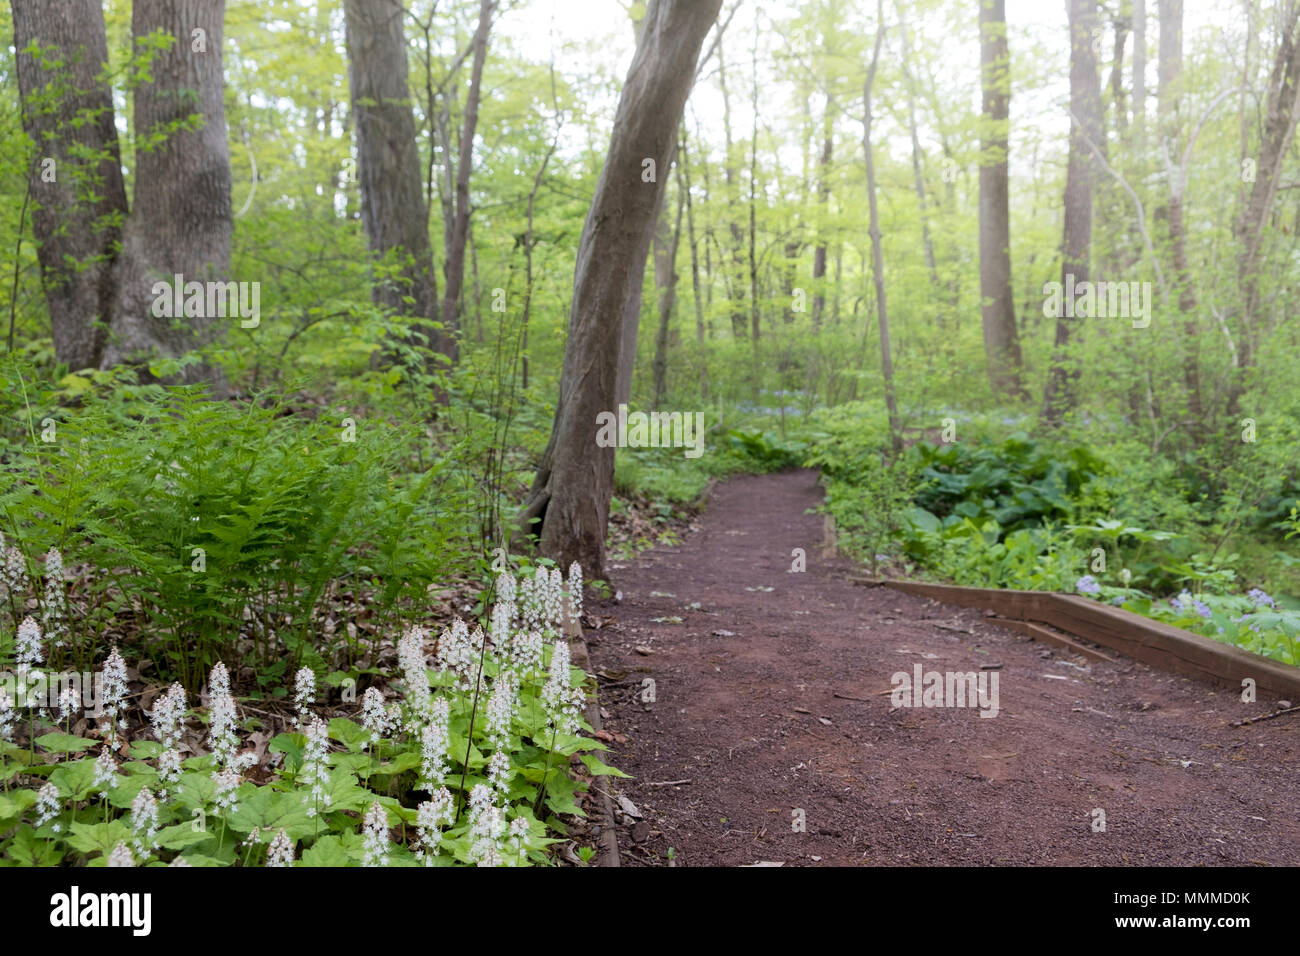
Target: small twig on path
point(668, 783)
point(865, 700)
point(1252, 720)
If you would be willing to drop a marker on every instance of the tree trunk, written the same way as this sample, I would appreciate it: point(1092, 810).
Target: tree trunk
point(528, 258)
point(684, 171)
point(997, 301)
point(1085, 127)
point(667, 302)
point(182, 220)
point(393, 208)
point(68, 113)
point(1279, 127)
point(918, 178)
point(454, 255)
point(1139, 70)
point(1168, 92)
point(1121, 27)
point(568, 506)
point(877, 256)
point(823, 203)
point(733, 275)
point(753, 213)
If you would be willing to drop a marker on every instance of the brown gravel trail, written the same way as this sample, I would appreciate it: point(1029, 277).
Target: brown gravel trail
point(745, 709)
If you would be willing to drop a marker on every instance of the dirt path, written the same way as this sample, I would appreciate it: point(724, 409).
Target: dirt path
point(744, 708)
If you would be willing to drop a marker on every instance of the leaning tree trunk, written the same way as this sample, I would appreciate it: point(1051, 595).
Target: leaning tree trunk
point(1085, 128)
point(393, 208)
point(997, 301)
point(182, 220)
point(68, 113)
point(568, 507)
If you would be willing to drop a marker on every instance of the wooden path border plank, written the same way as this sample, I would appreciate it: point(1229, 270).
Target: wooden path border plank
point(1038, 632)
point(1152, 642)
point(603, 815)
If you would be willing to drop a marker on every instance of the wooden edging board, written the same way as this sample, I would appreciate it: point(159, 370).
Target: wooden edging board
point(580, 657)
point(1152, 642)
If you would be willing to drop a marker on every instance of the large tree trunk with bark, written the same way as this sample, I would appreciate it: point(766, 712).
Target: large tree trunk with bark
point(393, 208)
point(68, 113)
point(1080, 175)
point(568, 506)
point(182, 221)
point(997, 301)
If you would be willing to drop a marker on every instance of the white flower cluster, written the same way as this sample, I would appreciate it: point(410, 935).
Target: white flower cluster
point(500, 771)
point(431, 816)
point(15, 569)
point(562, 700)
point(227, 781)
point(487, 825)
point(54, 616)
point(374, 715)
point(280, 852)
point(456, 653)
point(69, 703)
point(304, 693)
point(501, 708)
point(375, 846)
point(315, 764)
point(168, 717)
point(144, 822)
point(575, 590)
point(415, 672)
point(48, 804)
point(27, 644)
point(7, 716)
point(435, 738)
point(221, 707)
point(105, 770)
point(526, 652)
point(114, 693)
point(121, 856)
point(503, 618)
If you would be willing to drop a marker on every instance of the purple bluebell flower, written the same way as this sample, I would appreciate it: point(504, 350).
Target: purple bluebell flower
point(1259, 598)
point(1201, 608)
point(1181, 602)
point(1087, 585)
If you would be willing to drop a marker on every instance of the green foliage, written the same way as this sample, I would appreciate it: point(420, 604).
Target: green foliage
point(766, 451)
point(56, 807)
point(1019, 483)
point(219, 521)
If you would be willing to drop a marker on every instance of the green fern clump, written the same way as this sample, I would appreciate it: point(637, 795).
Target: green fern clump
point(220, 527)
